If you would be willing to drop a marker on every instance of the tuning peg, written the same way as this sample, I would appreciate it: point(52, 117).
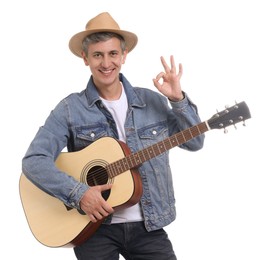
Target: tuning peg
point(225, 131)
point(244, 123)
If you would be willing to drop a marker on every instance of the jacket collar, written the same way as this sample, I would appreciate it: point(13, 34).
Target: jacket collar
point(133, 98)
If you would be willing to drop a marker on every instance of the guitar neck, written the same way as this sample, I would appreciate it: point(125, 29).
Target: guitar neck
point(136, 159)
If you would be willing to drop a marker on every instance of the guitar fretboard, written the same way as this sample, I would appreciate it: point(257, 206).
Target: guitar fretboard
point(135, 159)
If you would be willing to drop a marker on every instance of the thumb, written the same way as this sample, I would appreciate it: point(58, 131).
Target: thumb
point(106, 187)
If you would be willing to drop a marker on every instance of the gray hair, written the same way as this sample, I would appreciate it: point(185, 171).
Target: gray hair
point(100, 37)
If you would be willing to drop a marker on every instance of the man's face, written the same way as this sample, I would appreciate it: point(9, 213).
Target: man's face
point(105, 60)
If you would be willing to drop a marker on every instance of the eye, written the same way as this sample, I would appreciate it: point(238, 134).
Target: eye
point(97, 55)
point(114, 53)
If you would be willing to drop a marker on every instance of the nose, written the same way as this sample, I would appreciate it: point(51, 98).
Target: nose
point(105, 61)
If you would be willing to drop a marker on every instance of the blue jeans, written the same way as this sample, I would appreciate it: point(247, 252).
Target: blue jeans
point(131, 240)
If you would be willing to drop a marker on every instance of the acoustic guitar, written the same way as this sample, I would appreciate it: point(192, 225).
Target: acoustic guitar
point(107, 160)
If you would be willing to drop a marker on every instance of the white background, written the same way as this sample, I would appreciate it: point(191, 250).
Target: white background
point(221, 190)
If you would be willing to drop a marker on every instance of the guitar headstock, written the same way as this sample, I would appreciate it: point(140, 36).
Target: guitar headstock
point(230, 116)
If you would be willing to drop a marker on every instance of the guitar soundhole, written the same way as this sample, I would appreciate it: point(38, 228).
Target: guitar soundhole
point(97, 175)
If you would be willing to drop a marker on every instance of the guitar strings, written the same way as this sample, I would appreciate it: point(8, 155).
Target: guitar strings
point(101, 174)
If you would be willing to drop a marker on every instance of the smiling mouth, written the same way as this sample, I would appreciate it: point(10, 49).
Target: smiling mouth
point(106, 72)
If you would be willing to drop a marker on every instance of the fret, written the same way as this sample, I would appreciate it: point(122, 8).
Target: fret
point(180, 138)
point(162, 147)
point(156, 150)
point(124, 164)
point(114, 169)
point(118, 166)
point(173, 141)
point(167, 144)
point(131, 161)
point(110, 170)
point(195, 131)
point(187, 135)
point(191, 133)
point(204, 127)
point(150, 152)
point(137, 158)
point(142, 156)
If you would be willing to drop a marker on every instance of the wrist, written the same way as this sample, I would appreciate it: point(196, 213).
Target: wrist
point(177, 99)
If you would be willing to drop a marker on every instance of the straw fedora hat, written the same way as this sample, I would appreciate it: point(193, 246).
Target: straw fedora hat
point(101, 23)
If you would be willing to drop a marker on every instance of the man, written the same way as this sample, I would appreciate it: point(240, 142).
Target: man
point(111, 106)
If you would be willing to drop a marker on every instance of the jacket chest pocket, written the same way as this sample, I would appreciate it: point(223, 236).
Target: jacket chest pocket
point(85, 135)
point(152, 134)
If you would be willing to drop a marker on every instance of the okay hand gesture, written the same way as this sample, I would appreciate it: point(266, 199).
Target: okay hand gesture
point(168, 82)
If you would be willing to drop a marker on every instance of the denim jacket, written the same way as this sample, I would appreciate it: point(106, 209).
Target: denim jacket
point(81, 118)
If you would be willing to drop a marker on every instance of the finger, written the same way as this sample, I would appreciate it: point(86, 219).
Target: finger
point(99, 215)
point(159, 76)
point(157, 81)
point(105, 211)
point(165, 65)
point(105, 187)
point(157, 84)
point(173, 66)
point(92, 218)
point(180, 73)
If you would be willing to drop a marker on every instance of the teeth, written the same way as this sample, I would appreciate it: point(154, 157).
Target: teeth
point(106, 71)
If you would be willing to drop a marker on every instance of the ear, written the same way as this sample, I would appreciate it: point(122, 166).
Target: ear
point(123, 57)
point(84, 58)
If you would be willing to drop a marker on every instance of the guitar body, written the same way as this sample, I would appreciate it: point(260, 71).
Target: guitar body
point(55, 225)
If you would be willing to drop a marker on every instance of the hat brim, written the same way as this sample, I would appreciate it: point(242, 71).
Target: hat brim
point(75, 43)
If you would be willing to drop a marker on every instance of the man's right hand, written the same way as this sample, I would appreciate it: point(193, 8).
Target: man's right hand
point(94, 205)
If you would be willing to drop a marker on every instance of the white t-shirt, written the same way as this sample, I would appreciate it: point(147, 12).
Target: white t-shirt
point(118, 109)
